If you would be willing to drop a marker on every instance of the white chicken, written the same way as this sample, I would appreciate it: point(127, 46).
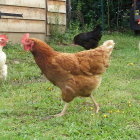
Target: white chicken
point(3, 66)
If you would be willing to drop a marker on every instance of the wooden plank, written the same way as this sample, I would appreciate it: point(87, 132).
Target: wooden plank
point(56, 0)
point(51, 29)
point(17, 25)
point(56, 18)
point(28, 13)
point(57, 6)
point(27, 3)
point(16, 37)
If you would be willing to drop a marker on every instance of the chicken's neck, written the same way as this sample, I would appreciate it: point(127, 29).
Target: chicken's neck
point(43, 56)
point(43, 51)
point(1, 47)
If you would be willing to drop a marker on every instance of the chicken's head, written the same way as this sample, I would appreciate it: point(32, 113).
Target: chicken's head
point(3, 40)
point(27, 42)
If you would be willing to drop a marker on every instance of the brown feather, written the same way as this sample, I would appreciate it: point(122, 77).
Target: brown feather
point(76, 74)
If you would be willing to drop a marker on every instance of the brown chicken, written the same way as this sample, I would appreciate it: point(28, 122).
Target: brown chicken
point(76, 74)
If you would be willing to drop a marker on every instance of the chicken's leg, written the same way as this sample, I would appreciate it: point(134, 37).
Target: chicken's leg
point(95, 104)
point(63, 111)
point(58, 115)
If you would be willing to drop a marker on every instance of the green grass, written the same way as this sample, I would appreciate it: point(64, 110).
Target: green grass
point(26, 97)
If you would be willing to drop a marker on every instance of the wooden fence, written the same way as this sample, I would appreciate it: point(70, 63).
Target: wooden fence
point(38, 17)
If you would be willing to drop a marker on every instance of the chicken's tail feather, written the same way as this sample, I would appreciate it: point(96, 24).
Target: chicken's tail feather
point(108, 45)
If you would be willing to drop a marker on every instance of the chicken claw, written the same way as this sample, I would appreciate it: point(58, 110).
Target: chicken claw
point(62, 113)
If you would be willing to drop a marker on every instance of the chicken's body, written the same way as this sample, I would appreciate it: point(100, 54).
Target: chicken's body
point(3, 66)
point(76, 74)
point(89, 40)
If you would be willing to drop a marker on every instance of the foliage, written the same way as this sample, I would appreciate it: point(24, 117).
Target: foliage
point(115, 13)
point(85, 15)
point(27, 97)
point(59, 37)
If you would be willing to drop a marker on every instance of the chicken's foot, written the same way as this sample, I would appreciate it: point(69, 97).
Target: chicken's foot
point(58, 115)
point(63, 111)
point(95, 104)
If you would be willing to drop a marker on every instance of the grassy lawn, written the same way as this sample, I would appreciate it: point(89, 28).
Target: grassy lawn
point(26, 97)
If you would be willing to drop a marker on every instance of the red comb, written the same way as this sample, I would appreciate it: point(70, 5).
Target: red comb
point(26, 36)
point(4, 37)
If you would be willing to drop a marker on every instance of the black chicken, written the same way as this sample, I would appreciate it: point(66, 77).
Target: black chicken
point(89, 40)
